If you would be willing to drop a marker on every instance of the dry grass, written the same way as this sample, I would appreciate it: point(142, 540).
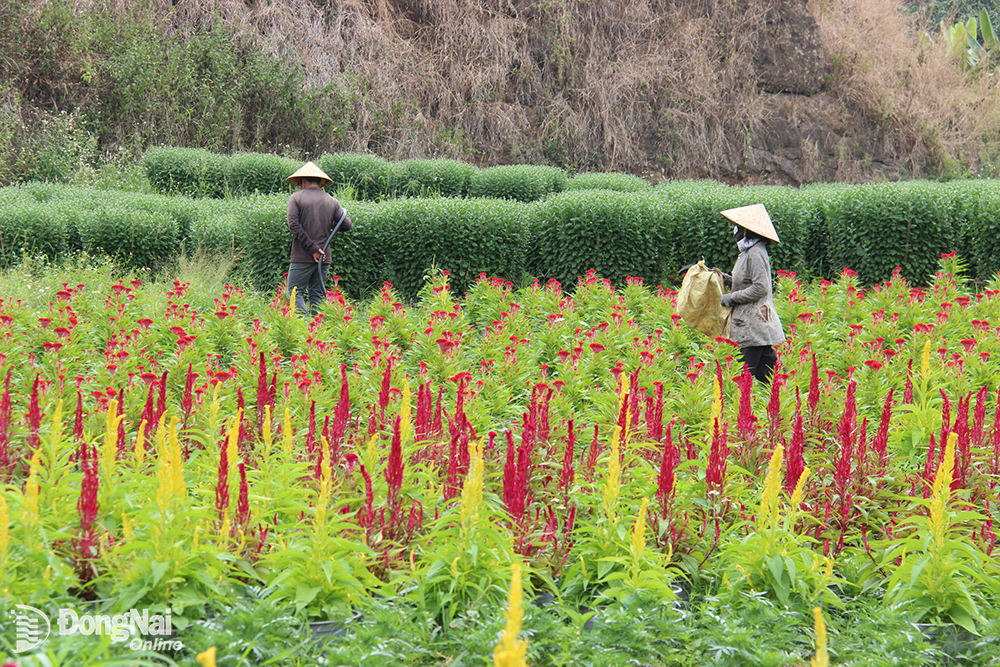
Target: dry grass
point(931, 112)
point(629, 85)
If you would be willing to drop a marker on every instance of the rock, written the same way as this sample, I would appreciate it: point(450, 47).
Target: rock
point(790, 58)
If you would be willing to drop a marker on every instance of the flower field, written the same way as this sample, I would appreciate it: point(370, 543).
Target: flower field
point(185, 445)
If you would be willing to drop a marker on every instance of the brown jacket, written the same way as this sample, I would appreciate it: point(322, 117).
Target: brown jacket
point(754, 321)
point(312, 215)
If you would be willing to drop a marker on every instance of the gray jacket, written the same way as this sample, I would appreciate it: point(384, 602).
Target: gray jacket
point(754, 321)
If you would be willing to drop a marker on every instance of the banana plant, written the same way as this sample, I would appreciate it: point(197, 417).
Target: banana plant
point(965, 37)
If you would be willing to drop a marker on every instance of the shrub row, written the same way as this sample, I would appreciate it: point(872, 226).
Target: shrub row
point(200, 173)
point(649, 233)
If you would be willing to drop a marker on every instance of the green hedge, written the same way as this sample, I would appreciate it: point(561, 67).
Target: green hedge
point(608, 181)
point(976, 209)
point(32, 228)
point(192, 172)
point(421, 178)
point(652, 233)
point(134, 237)
point(258, 173)
point(463, 236)
point(611, 232)
point(368, 176)
point(524, 183)
point(879, 227)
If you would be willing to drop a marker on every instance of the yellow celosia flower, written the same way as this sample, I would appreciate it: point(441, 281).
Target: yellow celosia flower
point(213, 411)
point(822, 658)
point(510, 651)
point(110, 450)
point(291, 299)
point(370, 450)
point(768, 511)
point(232, 453)
point(639, 532)
point(268, 436)
point(4, 527)
point(941, 492)
point(613, 481)
point(55, 437)
point(207, 658)
point(472, 490)
point(127, 527)
point(165, 471)
point(140, 445)
point(405, 427)
point(31, 488)
point(321, 502)
point(799, 491)
point(325, 470)
point(176, 461)
point(716, 402)
point(286, 434)
point(925, 362)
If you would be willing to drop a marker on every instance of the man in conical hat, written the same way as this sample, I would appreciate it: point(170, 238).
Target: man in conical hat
point(312, 216)
point(753, 324)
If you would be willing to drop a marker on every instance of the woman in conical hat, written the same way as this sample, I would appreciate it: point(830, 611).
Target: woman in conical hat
point(312, 216)
point(754, 323)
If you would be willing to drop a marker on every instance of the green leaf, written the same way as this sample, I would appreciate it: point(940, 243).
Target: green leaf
point(158, 569)
point(304, 594)
point(986, 27)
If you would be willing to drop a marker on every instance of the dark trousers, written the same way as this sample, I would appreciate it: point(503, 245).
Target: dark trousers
point(760, 360)
point(304, 277)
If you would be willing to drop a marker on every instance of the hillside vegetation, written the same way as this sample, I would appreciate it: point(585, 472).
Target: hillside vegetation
point(665, 89)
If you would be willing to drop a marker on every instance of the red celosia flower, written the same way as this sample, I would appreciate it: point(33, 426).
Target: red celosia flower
point(715, 471)
point(222, 481)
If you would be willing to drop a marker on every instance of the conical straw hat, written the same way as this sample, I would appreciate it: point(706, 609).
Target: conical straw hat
point(755, 219)
point(310, 170)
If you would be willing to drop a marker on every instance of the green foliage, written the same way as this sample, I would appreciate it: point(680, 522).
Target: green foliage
point(32, 228)
point(464, 237)
point(421, 178)
point(976, 210)
point(209, 86)
point(609, 232)
point(265, 241)
point(608, 181)
point(188, 171)
point(358, 256)
point(135, 237)
point(520, 182)
point(367, 175)
point(963, 38)
point(249, 173)
point(59, 147)
point(882, 226)
point(217, 233)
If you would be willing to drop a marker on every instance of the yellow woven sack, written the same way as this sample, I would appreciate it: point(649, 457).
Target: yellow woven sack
point(699, 302)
